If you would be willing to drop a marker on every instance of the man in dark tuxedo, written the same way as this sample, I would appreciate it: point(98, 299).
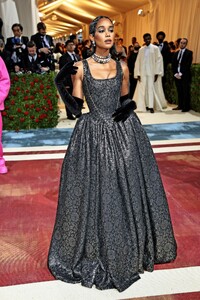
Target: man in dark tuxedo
point(181, 65)
point(44, 44)
point(67, 57)
point(165, 51)
point(5, 55)
point(34, 62)
point(131, 65)
point(1, 25)
point(16, 45)
point(74, 39)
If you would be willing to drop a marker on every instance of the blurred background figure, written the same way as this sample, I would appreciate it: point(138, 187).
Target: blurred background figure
point(130, 49)
point(177, 43)
point(86, 50)
point(131, 59)
point(121, 41)
point(172, 48)
point(1, 25)
point(181, 66)
point(67, 57)
point(33, 62)
point(16, 45)
point(44, 44)
point(165, 51)
point(5, 55)
point(58, 52)
point(118, 51)
point(133, 40)
point(149, 71)
point(74, 39)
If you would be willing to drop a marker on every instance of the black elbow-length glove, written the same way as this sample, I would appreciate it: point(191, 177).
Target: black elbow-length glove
point(125, 110)
point(74, 104)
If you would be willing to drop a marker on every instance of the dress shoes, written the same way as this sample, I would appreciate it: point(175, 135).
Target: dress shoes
point(71, 117)
point(150, 109)
point(79, 115)
point(176, 108)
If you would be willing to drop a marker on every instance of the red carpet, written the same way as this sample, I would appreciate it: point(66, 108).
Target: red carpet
point(185, 296)
point(28, 195)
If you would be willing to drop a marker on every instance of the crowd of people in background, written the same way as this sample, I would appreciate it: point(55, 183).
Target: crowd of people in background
point(40, 54)
point(14, 50)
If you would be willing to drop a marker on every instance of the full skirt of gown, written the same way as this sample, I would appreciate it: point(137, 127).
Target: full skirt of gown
point(112, 219)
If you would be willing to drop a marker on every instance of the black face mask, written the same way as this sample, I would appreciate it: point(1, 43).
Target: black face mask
point(136, 48)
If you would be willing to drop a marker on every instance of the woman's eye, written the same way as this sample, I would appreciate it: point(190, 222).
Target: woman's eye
point(101, 30)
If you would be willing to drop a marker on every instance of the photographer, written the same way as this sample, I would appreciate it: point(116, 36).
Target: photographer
point(16, 45)
point(33, 62)
point(44, 44)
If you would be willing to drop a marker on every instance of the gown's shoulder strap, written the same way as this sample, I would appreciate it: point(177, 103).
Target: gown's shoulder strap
point(119, 69)
point(85, 67)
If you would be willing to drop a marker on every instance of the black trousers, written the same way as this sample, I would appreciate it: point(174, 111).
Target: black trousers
point(183, 89)
point(132, 86)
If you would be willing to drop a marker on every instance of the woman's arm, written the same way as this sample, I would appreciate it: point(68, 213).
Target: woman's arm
point(127, 104)
point(77, 80)
point(73, 103)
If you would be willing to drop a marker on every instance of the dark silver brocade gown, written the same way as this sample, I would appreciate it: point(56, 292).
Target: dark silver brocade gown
point(112, 220)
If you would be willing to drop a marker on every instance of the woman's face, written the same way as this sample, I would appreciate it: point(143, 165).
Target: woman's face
point(104, 34)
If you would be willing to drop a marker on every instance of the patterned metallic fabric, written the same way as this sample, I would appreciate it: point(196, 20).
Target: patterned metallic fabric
point(112, 220)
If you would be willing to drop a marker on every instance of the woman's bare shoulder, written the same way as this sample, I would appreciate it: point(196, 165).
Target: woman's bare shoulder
point(79, 64)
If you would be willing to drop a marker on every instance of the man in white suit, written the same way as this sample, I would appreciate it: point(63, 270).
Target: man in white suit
point(149, 71)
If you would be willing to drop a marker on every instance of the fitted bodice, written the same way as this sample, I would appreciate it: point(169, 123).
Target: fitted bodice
point(102, 95)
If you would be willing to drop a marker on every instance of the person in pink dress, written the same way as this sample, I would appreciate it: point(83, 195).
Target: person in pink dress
point(4, 89)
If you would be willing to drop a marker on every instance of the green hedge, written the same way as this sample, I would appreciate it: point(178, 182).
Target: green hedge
point(195, 88)
point(32, 102)
point(171, 92)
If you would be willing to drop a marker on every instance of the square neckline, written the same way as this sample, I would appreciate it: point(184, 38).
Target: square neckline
point(111, 78)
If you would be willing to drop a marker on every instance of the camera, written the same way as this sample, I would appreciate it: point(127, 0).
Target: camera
point(16, 41)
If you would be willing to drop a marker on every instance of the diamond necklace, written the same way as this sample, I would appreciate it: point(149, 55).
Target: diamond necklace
point(101, 59)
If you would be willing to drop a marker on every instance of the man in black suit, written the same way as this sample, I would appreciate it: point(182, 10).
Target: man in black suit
point(33, 62)
point(131, 65)
point(67, 57)
point(165, 51)
point(5, 55)
point(181, 65)
point(44, 44)
point(16, 45)
point(1, 25)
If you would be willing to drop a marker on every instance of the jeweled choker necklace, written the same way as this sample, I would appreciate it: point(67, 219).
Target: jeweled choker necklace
point(101, 59)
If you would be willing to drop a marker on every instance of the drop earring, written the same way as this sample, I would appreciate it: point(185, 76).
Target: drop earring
point(93, 43)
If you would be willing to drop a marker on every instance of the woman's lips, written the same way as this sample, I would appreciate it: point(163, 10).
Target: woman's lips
point(108, 41)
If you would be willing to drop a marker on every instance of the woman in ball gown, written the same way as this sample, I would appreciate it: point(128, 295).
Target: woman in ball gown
point(112, 221)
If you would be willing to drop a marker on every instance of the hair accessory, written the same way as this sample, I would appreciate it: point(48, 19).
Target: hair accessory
point(101, 59)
